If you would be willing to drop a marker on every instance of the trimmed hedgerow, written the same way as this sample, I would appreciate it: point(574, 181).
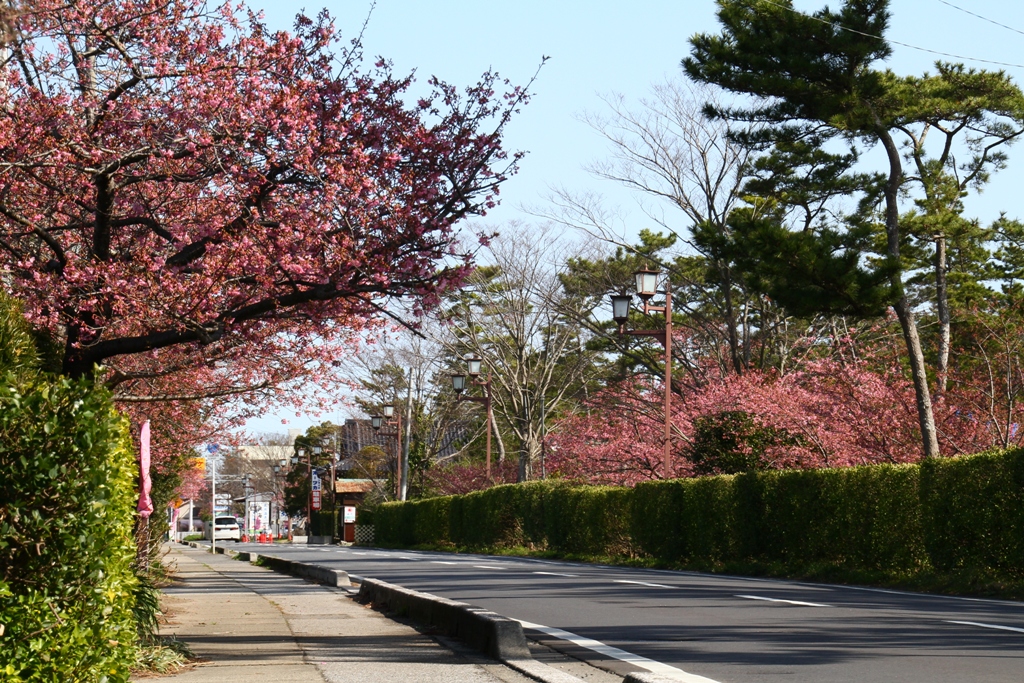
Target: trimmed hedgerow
point(973, 512)
point(947, 515)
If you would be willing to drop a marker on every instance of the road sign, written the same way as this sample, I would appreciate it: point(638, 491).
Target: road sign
point(350, 514)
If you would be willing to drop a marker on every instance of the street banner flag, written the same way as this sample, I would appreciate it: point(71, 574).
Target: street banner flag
point(145, 506)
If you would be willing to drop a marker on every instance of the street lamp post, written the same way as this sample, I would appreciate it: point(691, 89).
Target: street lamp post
point(309, 495)
point(473, 368)
point(246, 487)
point(278, 474)
point(646, 287)
point(378, 421)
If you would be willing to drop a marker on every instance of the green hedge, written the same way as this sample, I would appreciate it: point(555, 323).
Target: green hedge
point(67, 498)
point(973, 512)
point(946, 515)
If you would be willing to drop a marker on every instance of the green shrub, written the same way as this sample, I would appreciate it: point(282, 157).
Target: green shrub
point(973, 512)
point(365, 514)
point(590, 520)
point(66, 548)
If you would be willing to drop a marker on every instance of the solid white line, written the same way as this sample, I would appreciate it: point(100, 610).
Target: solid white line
point(609, 651)
point(642, 583)
point(995, 626)
point(486, 566)
point(788, 602)
point(555, 574)
point(443, 562)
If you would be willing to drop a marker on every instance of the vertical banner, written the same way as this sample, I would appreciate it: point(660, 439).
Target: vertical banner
point(145, 507)
point(316, 486)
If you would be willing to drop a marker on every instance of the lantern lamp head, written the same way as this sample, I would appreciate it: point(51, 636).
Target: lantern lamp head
point(376, 421)
point(620, 307)
point(389, 411)
point(459, 383)
point(646, 283)
point(473, 365)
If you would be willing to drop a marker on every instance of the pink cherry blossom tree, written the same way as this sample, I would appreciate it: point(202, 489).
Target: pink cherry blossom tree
point(205, 208)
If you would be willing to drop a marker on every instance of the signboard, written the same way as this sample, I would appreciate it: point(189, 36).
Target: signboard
point(316, 499)
point(350, 514)
point(258, 518)
point(316, 481)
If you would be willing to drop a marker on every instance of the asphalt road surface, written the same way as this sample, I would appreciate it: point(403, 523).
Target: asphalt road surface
point(704, 627)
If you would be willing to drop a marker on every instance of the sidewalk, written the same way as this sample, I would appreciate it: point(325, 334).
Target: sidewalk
point(252, 625)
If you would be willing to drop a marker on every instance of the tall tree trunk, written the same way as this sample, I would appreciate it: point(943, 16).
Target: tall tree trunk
point(496, 435)
point(942, 304)
point(730, 318)
point(526, 445)
point(926, 419)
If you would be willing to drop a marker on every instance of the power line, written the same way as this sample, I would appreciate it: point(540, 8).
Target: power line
point(991, 21)
point(888, 40)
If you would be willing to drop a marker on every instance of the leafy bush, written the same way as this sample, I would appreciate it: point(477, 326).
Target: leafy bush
point(67, 498)
point(66, 547)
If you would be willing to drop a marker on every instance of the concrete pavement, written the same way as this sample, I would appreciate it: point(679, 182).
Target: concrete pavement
point(251, 625)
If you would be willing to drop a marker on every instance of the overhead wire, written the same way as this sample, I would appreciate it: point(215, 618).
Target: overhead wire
point(973, 14)
point(889, 40)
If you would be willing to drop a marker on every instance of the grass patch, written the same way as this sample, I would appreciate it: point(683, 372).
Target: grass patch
point(165, 656)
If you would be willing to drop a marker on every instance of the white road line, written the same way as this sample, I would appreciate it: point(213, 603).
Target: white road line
point(486, 566)
point(642, 583)
point(788, 602)
point(609, 651)
point(555, 574)
point(995, 626)
point(443, 562)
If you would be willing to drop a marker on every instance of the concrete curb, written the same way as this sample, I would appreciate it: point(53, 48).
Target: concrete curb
point(645, 677)
point(335, 578)
point(496, 636)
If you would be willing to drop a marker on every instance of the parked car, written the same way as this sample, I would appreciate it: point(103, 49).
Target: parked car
point(225, 529)
point(197, 524)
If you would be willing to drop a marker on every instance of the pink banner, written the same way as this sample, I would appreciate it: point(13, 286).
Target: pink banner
point(145, 507)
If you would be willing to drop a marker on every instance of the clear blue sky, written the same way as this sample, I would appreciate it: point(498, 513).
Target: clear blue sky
point(604, 46)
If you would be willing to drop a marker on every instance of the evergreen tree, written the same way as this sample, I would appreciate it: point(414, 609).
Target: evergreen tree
point(823, 233)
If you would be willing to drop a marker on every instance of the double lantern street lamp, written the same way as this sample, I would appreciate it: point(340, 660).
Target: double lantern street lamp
point(278, 474)
point(299, 454)
point(314, 450)
point(473, 368)
point(646, 287)
point(391, 418)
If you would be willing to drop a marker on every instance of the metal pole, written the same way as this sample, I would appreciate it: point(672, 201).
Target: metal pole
point(543, 433)
point(398, 456)
point(213, 506)
point(334, 490)
point(669, 470)
point(404, 493)
point(309, 494)
point(490, 417)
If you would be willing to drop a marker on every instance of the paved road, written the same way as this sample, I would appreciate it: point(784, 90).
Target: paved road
point(698, 627)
